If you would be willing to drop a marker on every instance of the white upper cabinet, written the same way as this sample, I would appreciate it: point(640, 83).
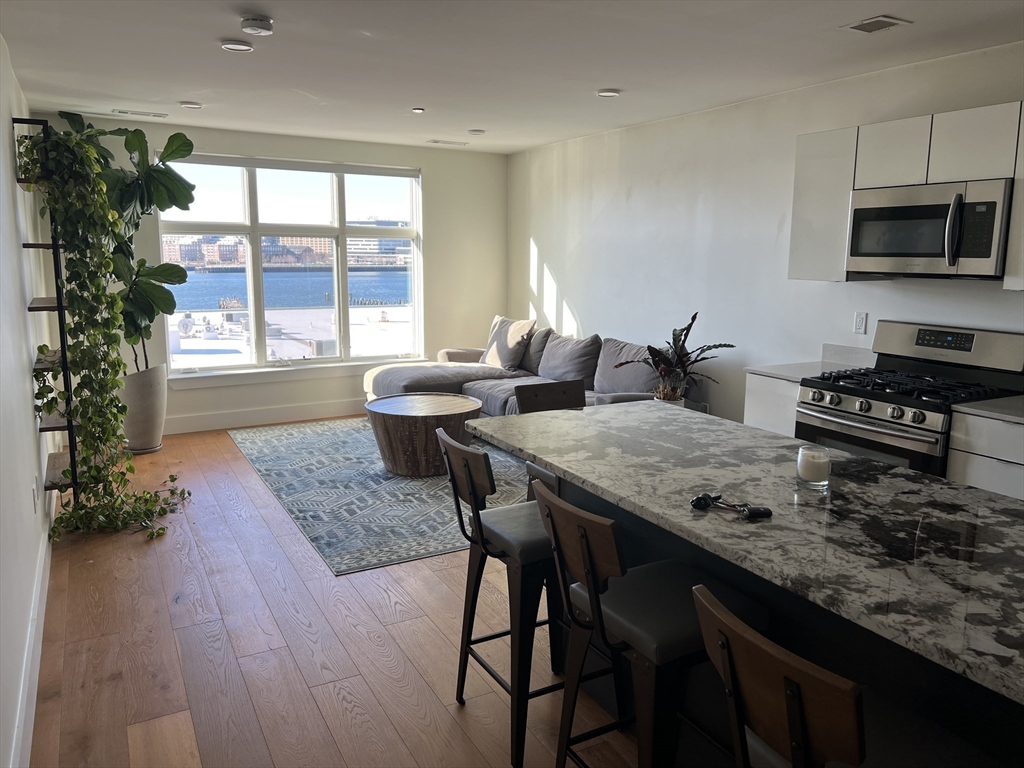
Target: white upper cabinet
point(893, 154)
point(974, 143)
point(1013, 274)
point(821, 204)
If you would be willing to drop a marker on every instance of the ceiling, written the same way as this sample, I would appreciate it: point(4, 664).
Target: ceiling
point(523, 70)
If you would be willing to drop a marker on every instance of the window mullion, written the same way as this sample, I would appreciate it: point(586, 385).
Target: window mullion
point(258, 326)
point(341, 273)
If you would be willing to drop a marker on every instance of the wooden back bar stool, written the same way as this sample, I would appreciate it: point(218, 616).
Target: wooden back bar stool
point(645, 616)
point(515, 535)
point(551, 396)
point(786, 712)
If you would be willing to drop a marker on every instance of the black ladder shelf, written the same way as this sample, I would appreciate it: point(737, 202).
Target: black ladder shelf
point(59, 461)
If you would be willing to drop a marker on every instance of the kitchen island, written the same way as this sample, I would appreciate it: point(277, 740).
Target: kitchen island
point(933, 567)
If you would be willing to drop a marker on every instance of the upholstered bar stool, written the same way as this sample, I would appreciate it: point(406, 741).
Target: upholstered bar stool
point(786, 712)
point(551, 396)
point(644, 615)
point(515, 535)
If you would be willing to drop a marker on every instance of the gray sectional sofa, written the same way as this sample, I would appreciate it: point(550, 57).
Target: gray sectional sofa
point(547, 356)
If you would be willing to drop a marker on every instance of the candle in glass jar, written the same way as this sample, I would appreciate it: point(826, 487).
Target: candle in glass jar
point(812, 465)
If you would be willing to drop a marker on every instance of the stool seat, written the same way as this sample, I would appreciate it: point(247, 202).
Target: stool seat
point(518, 531)
point(651, 608)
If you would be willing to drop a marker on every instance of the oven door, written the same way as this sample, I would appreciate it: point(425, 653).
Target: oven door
point(902, 447)
point(905, 230)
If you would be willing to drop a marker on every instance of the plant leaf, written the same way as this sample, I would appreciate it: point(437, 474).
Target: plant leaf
point(137, 146)
point(169, 274)
point(178, 146)
point(74, 120)
point(161, 298)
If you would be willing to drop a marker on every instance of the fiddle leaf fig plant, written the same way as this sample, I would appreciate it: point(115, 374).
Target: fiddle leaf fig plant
point(95, 210)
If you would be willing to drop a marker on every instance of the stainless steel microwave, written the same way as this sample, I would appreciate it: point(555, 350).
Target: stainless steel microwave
point(930, 230)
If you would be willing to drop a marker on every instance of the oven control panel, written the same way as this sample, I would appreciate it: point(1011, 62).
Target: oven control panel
point(958, 340)
point(866, 410)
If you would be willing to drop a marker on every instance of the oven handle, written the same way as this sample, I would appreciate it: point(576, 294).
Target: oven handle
point(949, 243)
point(868, 427)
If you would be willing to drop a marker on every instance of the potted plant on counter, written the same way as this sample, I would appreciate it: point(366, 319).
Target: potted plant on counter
point(675, 364)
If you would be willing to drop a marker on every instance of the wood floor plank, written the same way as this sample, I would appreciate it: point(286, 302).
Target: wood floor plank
point(149, 657)
point(292, 724)
point(311, 638)
point(226, 728)
point(360, 727)
point(164, 742)
point(274, 515)
point(190, 598)
point(385, 596)
point(46, 725)
point(93, 730)
point(91, 603)
point(247, 617)
point(436, 658)
point(426, 727)
point(459, 559)
point(182, 463)
point(304, 557)
point(487, 720)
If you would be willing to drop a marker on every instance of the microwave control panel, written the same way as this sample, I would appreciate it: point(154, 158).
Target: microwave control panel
point(979, 229)
point(961, 342)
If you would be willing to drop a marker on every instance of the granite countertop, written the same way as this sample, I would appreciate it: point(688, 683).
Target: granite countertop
point(934, 566)
point(1004, 409)
point(793, 371)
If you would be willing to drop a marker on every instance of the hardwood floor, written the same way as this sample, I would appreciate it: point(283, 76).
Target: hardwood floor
point(228, 642)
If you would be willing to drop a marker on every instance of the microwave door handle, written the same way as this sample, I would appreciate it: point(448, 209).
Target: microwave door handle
point(949, 243)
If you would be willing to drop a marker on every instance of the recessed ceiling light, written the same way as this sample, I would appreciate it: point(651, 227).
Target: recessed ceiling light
point(190, 104)
point(477, 131)
point(235, 46)
point(261, 26)
point(608, 93)
point(418, 110)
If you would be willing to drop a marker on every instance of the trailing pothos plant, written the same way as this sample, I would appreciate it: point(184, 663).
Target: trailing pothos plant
point(95, 210)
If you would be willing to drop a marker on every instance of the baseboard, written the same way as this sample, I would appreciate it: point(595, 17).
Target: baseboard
point(33, 652)
point(254, 417)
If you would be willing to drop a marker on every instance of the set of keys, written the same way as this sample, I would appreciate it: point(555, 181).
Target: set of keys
point(747, 511)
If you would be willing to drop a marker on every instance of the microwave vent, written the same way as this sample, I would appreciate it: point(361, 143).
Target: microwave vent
point(876, 24)
point(137, 113)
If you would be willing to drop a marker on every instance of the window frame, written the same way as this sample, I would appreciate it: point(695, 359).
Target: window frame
point(340, 232)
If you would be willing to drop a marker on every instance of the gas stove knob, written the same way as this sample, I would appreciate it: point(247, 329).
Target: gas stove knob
point(833, 399)
point(917, 417)
point(817, 395)
point(863, 406)
point(895, 412)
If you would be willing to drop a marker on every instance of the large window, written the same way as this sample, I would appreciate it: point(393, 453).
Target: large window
point(293, 263)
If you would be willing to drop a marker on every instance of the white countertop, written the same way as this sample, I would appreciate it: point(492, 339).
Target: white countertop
point(792, 371)
point(1004, 409)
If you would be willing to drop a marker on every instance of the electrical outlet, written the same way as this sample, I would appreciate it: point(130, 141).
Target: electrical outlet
point(860, 322)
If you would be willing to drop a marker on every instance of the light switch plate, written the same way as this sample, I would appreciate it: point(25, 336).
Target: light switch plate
point(860, 322)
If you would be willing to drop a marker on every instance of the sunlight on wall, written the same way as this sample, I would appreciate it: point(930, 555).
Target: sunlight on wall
point(533, 266)
point(533, 311)
point(570, 326)
point(550, 297)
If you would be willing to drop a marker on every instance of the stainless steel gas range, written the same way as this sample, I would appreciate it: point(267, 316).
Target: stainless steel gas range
point(899, 411)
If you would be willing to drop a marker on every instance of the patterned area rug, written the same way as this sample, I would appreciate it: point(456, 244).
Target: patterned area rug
point(329, 476)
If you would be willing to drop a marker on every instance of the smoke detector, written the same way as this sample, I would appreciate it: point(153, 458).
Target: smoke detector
point(876, 24)
point(138, 113)
point(257, 25)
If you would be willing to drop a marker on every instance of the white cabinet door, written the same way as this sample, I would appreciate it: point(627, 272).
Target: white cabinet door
point(974, 143)
point(893, 154)
point(987, 437)
point(771, 404)
point(982, 472)
point(821, 204)
point(1013, 274)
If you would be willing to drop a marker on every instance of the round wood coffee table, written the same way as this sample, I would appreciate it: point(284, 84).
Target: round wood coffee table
point(405, 425)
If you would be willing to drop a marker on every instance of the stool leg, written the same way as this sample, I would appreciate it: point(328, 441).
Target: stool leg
point(475, 574)
point(579, 642)
point(525, 583)
point(657, 727)
point(556, 615)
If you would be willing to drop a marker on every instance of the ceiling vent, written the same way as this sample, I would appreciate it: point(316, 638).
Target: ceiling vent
point(137, 113)
point(448, 143)
point(876, 24)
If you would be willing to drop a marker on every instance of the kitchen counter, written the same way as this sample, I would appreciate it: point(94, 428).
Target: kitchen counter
point(792, 371)
point(1009, 409)
point(933, 566)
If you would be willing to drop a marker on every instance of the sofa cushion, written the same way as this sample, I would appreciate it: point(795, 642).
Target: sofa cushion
point(565, 359)
point(535, 350)
point(629, 378)
point(399, 378)
point(495, 394)
point(507, 342)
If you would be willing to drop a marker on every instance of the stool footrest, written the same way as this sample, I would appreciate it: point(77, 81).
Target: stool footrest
point(599, 731)
point(559, 686)
point(505, 684)
point(503, 633)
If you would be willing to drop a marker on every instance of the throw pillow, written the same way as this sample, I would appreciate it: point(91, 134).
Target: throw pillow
point(507, 342)
point(629, 378)
point(565, 359)
point(535, 350)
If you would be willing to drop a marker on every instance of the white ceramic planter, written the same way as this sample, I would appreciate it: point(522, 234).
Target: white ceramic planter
point(145, 394)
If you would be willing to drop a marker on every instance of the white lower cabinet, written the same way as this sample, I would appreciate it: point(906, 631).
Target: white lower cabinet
point(987, 453)
point(771, 404)
point(985, 472)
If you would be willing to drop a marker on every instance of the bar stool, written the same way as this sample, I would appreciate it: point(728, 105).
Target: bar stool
point(551, 396)
point(785, 711)
point(515, 535)
point(645, 616)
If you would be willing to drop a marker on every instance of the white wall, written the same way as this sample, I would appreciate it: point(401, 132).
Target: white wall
point(24, 551)
point(464, 269)
point(634, 230)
